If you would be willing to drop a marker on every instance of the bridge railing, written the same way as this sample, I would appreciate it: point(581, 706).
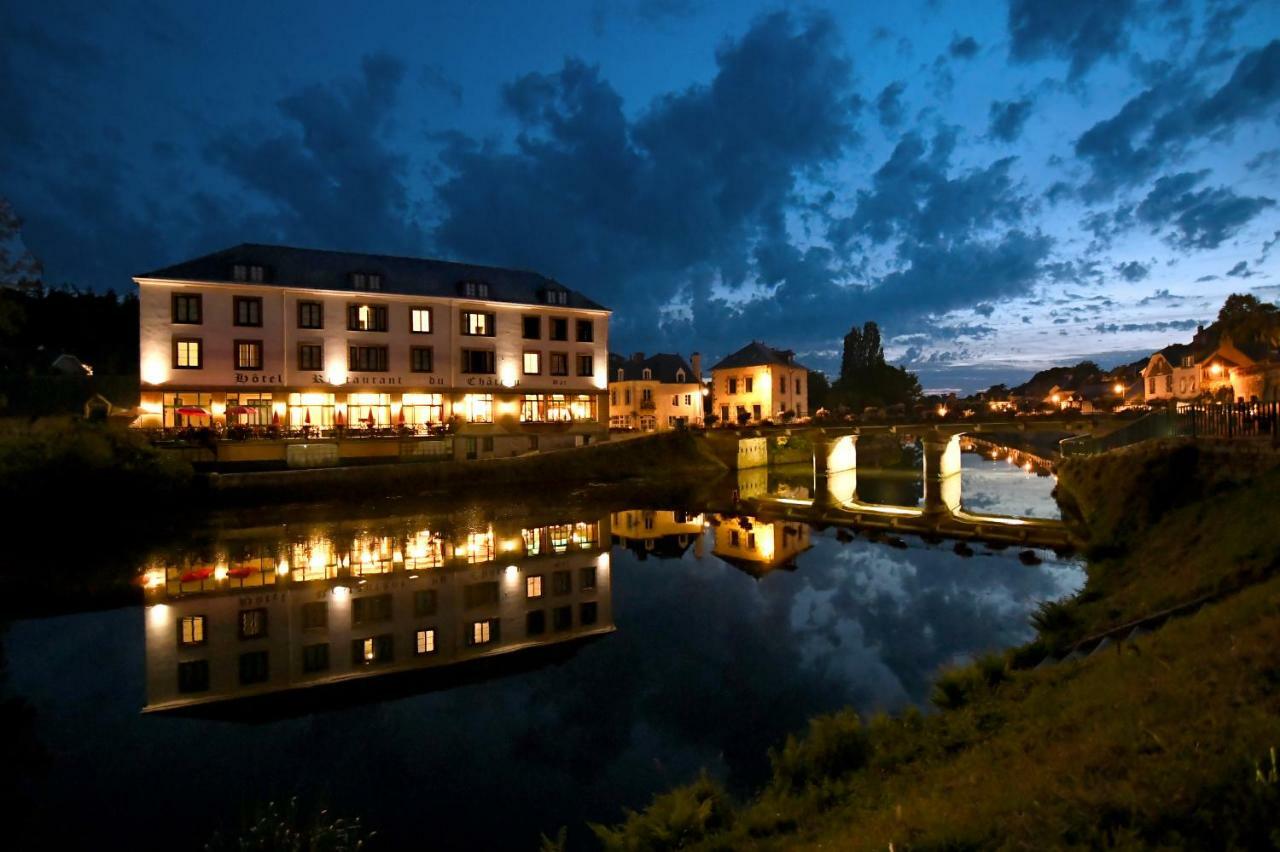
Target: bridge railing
point(1157, 424)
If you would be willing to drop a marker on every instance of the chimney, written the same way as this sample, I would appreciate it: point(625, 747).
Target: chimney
point(637, 357)
point(695, 361)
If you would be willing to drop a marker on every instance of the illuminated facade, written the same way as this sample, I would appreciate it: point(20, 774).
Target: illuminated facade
point(756, 546)
point(1192, 377)
point(320, 610)
point(655, 393)
point(664, 533)
point(267, 337)
point(758, 383)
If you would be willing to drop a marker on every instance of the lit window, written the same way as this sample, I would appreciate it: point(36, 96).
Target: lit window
point(186, 354)
point(481, 632)
point(533, 586)
point(253, 623)
point(477, 324)
point(420, 320)
point(478, 407)
point(366, 317)
point(532, 363)
point(192, 630)
point(425, 641)
point(248, 354)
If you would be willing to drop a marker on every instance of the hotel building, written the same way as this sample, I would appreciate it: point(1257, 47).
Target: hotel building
point(758, 383)
point(660, 392)
point(1195, 377)
point(318, 342)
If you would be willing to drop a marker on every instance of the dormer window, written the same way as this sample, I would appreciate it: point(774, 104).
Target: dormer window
point(680, 376)
point(647, 373)
point(556, 296)
point(620, 375)
point(475, 289)
point(247, 272)
point(366, 281)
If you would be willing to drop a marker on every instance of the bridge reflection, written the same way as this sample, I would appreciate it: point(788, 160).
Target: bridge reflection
point(835, 500)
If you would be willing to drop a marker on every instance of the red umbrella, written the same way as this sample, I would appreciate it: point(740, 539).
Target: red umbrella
point(239, 409)
point(339, 418)
point(307, 420)
point(275, 419)
point(193, 411)
point(402, 417)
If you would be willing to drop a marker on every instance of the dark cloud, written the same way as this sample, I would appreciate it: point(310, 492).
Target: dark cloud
point(1168, 325)
point(1241, 270)
point(1201, 218)
point(1133, 270)
point(1174, 111)
point(1082, 31)
point(963, 47)
point(693, 192)
point(1006, 118)
point(327, 176)
point(889, 104)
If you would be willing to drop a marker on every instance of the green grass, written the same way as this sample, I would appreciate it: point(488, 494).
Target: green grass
point(1163, 742)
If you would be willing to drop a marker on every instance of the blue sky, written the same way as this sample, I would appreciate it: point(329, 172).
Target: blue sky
point(1002, 185)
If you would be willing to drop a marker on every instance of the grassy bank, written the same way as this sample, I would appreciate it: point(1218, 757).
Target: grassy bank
point(1162, 741)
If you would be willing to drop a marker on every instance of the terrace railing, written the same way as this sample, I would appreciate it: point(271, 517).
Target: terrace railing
point(1157, 424)
point(1234, 420)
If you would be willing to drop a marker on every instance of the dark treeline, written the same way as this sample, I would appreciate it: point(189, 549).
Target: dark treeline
point(866, 379)
point(39, 325)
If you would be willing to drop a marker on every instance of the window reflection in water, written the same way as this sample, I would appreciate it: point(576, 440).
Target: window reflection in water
point(255, 618)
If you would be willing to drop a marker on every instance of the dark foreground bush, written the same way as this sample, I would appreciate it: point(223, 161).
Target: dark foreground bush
point(89, 470)
point(674, 820)
point(287, 830)
point(833, 746)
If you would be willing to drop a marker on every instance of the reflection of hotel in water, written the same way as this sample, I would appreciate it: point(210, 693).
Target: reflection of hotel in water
point(664, 534)
point(758, 547)
point(332, 608)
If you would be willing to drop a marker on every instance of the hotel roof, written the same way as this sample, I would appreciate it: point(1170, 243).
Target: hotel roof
point(317, 269)
point(663, 367)
point(756, 354)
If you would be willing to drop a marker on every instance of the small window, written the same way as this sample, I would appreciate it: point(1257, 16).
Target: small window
point(748, 381)
point(367, 359)
point(532, 363)
point(478, 323)
point(587, 578)
point(248, 354)
point(588, 613)
point(315, 658)
point(425, 602)
point(475, 289)
point(247, 310)
point(191, 631)
point(370, 609)
point(531, 327)
point(310, 315)
point(533, 586)
point(586, 331)
point(187, 353)
point(315, 615)
point(420, 320)
point(254, 667)
point(479, 594)
point(559, 363)
point(562, 582)
point(562, 618)
point(420, 359)
point(483, 632)
point(733, 386)
point(366, 281)
point(620, 374)
point(586, 365)
point(187, 308)
point(797, 386)
point(374, 649)
point(680, 376)
point(253, 623)
point(310, 356)
point(479, 361)
point(557, 296)
point(559, 328)
point(366, 317)
point(193, 676)
point(424, 642)
point(535, 622)
point(646, 374)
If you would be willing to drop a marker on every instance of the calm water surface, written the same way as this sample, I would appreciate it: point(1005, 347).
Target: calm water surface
point(671, 639)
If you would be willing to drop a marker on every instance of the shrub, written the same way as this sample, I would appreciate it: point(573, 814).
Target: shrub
point(957, 687)
point(833, 746)
point(285, 830)
point(674, 820)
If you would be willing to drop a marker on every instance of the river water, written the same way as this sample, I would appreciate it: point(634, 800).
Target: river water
point(445, 711)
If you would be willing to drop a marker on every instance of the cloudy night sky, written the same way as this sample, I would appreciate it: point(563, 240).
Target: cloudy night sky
point(1002, 185)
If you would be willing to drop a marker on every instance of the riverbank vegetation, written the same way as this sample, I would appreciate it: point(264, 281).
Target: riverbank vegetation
point(1158, 741)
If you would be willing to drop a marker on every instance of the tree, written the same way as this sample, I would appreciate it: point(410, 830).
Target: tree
point(1248, 320)
point(865, 378)
point(18, 266)
point(818, 390)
